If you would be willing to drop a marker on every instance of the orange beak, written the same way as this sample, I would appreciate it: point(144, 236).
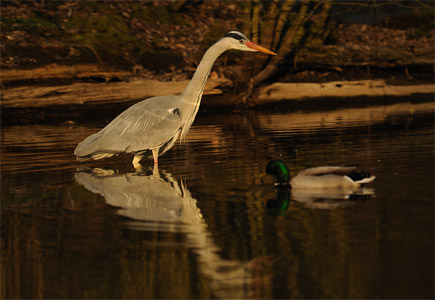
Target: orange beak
point(259, 48)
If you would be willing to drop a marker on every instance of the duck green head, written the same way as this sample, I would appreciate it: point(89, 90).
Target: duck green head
point(278, 169)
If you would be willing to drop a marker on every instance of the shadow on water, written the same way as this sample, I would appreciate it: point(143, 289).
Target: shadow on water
point(207, 227)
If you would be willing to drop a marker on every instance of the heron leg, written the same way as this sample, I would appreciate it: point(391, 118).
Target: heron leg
point(136, 161)
point(156, 155)
point(156, 173)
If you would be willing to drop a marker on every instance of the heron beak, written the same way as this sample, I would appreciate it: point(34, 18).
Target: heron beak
point(254, 46)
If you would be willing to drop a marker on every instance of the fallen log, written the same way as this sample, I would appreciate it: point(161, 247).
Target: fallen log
point(98, 93)
point(55, 72)
point(370, 88)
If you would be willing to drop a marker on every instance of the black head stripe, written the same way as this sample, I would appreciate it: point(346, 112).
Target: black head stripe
point(234, 36)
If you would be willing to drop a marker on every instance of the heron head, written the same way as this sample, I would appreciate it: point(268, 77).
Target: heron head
point(239, 41)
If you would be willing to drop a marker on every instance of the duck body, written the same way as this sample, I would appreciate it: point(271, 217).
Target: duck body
point(330, 177)
point(319, 177)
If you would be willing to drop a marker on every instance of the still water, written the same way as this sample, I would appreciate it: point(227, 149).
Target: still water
point(209, 225)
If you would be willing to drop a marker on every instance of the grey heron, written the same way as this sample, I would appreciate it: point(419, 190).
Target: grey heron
point(318, 177)
point(156, 123)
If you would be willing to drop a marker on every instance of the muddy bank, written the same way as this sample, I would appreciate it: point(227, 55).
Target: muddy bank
point(98, 88)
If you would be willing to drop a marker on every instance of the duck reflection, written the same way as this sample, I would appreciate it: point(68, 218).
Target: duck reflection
point(331, 198)
point(280, 204)
point(316, 198)
point(158, 202)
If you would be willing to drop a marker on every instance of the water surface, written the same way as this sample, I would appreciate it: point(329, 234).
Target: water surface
point(209, 226)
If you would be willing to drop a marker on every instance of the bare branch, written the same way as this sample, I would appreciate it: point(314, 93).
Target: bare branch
point(255, 22)
point(282, 19)
point(284, 47)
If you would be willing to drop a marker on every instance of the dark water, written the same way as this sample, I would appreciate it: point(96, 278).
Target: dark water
point(210, 226)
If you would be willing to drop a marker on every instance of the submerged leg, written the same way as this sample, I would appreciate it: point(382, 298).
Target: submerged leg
point(156, 172)
point(136, 161)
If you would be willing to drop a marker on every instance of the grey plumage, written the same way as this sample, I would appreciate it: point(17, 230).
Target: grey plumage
point(152, 123)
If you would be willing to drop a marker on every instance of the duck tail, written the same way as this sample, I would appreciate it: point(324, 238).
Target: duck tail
point(361, 177)
point(366, 180)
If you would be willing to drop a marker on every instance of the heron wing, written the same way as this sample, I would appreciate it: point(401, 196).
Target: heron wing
point(319, 171)
point(145, 125)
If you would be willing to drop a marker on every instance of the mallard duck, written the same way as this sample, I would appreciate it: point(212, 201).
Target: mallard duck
point(318, 177)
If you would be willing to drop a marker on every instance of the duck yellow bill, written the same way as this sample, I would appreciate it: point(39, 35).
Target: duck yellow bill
point(254, 46)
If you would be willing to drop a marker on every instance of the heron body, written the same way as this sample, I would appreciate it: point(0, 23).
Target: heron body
point(151, 124)
point(156, 123)
point(318, 177)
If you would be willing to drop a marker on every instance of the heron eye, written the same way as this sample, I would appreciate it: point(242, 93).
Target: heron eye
point(241, 41)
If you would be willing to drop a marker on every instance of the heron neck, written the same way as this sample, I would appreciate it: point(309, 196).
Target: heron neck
point(193, 91)
point(191, 96)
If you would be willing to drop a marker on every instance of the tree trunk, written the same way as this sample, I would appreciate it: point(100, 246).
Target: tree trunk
point(284, 48)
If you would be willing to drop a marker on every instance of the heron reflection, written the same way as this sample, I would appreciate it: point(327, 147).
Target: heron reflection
point(158, 202)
